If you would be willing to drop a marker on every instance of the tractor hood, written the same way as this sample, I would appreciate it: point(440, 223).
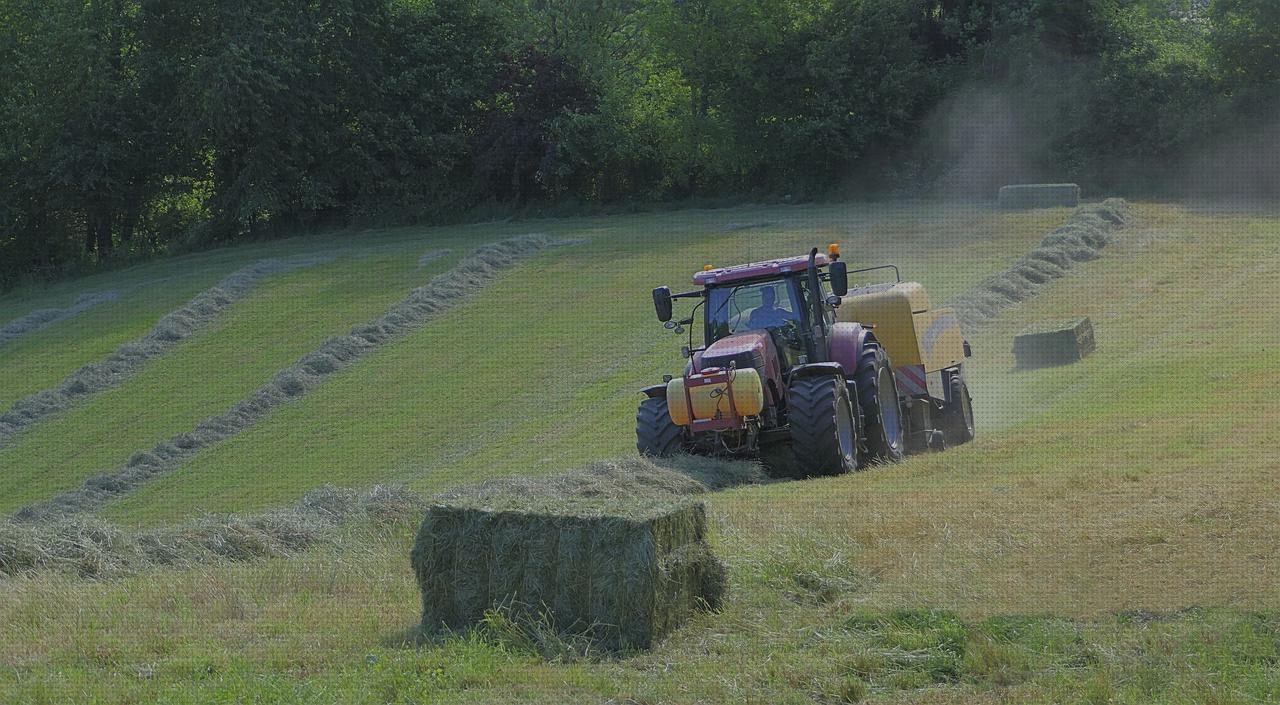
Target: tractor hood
point(753, 349)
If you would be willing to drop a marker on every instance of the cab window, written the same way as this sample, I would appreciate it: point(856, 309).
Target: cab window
point(760, 306)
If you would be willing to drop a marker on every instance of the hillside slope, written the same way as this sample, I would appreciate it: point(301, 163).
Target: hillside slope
point(1109, 538)
point(455, 401)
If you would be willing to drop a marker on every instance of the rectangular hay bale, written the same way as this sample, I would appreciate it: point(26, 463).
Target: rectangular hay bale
point(1054, 342)
point(1039, 196)
point(623, 574)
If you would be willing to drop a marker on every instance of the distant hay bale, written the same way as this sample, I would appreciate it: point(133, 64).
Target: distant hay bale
point(1039, 196)
point(1057, 342)
point(616, 553)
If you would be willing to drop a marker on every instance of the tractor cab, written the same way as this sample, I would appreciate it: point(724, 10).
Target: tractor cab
point(772, 297)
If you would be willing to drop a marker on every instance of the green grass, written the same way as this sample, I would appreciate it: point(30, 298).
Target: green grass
point(332, 627)
point(1109, 538)
point(540, 372)
point(281, 320)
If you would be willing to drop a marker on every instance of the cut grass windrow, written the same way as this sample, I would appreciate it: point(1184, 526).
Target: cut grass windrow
point(129, 358)
point(91, 547)
point(44, 317)
point(478, 269)
point(1080, 239)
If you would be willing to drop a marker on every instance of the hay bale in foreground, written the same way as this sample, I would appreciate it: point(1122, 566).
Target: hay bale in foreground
point(1039, 196)
point(622, 572)
point(1054, 342)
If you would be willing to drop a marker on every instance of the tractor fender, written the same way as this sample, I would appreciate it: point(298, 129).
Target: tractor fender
point(817, 369)
point(847, 341)
point(655, 391)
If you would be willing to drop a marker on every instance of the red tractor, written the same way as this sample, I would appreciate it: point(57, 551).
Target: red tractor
point(783, 377)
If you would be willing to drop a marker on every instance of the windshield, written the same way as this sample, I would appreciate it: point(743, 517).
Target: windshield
point(757, 306)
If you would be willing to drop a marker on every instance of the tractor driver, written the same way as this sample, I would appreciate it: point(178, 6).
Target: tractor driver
point(768, 315)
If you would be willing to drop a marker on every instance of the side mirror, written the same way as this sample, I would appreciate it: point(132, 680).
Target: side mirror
point(839, 278)
point(662, 303)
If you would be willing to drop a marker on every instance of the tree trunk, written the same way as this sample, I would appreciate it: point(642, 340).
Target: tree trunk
point(97, 235)
point(105, 244)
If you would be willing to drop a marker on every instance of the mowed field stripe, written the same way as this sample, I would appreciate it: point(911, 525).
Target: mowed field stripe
point(476, 271)
point(130, 358)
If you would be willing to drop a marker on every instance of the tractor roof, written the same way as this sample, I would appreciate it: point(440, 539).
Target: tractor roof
point(756, 270)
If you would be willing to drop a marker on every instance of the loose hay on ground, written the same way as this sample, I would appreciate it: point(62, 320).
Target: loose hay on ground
point(91, 547)
point(130, 357)
point(1080, 239)
point(36, 320)
point(423, 304)
point(616, 553)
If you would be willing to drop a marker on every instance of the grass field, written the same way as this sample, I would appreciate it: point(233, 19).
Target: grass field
point(1109, 538)
point(579, 318)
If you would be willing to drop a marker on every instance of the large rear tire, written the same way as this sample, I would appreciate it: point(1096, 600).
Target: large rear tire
point(824, 437)
point(957, 418)
point(657, 435)
point(878, 397)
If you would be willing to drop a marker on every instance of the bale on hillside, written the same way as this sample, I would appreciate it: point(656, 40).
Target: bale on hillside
point(1054, 342)
point(1039, 196)
point(622, 571)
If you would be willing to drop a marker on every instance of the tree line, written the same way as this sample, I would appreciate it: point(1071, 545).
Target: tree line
point(132, 127)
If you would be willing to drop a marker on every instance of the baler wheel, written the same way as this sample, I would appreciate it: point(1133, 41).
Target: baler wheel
point(957, 417)
point(657, 435)
point(824, 437)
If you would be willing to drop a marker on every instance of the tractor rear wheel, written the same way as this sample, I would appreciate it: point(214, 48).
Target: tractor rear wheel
point(957, 416)
point(656, 434)
point(824, 436)
point(878, 397)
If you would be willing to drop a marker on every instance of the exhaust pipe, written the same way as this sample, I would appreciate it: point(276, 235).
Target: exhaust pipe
point(818, 324)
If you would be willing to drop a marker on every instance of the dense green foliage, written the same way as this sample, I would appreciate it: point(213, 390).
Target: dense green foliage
point(132, 126)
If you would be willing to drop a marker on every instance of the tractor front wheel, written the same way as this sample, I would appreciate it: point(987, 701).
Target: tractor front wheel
point(657, 435)
point(823, 433)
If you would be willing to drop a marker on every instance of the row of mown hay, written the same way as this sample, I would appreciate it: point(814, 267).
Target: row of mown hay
point(90, 547)
point(443, 292)
point(1080, 239)
point(616, 554)
point(130, 357)
point(41, 318)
